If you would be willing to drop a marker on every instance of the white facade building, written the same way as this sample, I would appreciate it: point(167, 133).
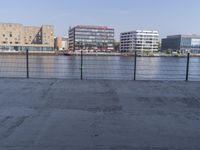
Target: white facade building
point(139, 40)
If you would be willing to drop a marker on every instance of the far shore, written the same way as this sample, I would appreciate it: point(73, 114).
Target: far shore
point(96, 54)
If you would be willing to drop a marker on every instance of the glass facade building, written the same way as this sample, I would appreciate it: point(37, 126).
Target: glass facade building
point(91, 38)
point(182, 43)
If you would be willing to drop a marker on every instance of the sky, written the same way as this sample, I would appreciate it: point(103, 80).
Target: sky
point(167, 16)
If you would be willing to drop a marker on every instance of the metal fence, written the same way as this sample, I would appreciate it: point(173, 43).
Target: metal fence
point(28, 65)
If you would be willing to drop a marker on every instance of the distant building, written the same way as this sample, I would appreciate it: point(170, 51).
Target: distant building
point(65, 43)
point(17, 37)
point(139, 40)
point(57, 43)
point(61, 43)
point(182, 43)
point(91, 38)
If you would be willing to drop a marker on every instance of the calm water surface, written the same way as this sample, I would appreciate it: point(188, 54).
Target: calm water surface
point(100, 67)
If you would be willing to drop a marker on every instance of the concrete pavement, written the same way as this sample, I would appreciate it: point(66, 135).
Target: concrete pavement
point(41, 114)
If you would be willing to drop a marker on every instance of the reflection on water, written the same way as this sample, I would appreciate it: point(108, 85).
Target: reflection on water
point(100, 67)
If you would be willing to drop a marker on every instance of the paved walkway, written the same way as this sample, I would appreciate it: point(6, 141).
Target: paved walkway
point(99, 115)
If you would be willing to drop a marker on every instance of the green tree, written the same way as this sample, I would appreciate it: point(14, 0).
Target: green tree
point(116, 46)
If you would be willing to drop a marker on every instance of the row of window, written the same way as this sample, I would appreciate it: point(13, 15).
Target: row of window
point(139, 37)
point(94, 37)
point(138, 48)
point(135, 39)
point(6, 42)
point(141, 42)
point(94, 30)
point(146, 45)
point(94, 34)
point(95, 41)
point(37, 36)
point(92, 43)
point(139, 33)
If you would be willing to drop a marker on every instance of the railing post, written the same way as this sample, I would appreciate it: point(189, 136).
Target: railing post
point(27, 64)
point(188, 67)
point(135, 65)
point(81, 65)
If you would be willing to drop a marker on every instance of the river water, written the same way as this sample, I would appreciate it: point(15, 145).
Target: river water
point(100, 67)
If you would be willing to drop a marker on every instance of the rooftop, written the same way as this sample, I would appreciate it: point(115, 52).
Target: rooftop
point(185, 36)
point(142, 31)
point(94, 27)
point(27, 26)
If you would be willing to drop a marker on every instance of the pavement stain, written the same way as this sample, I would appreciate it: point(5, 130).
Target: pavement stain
point(111, 91)
point(9, 124)
point(191, 102)
point(113, 108)
point(46, 91)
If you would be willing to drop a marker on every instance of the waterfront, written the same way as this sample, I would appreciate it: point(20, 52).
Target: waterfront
point(100, 67)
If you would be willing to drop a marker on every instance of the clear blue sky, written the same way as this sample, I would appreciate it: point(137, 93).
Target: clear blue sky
point(166, 16)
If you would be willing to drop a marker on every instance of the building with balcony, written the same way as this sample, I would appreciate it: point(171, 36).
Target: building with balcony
point(182, 43)
point(16, 37)
point(139, 40)
point(91, 39)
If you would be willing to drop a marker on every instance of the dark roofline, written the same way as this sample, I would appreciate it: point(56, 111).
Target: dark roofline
point(183, 36)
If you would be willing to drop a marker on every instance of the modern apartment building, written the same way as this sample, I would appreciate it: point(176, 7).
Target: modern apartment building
point(91, 38)
point(16, 37)
point(139, 40)
point(182, 43)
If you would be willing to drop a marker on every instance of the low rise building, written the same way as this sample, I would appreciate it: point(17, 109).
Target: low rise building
point(182, 43)
point(139, 40)
point(16, 37)
point(61, 43)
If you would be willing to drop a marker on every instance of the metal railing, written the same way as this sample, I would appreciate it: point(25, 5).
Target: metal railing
point(29, 65)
